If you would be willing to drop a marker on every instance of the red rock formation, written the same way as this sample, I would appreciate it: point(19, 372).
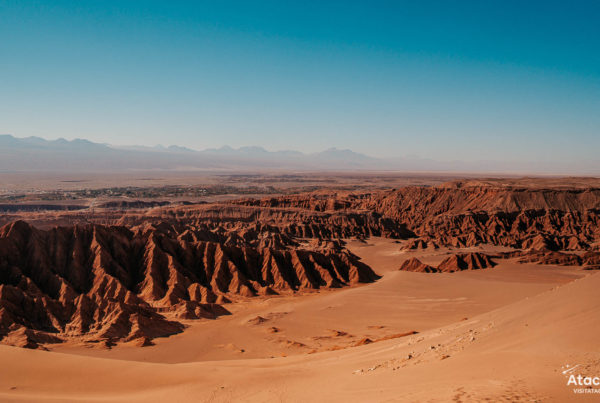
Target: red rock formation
point(465, 216)
point(248, 221)
point(114, 283)
point(414, 264)
point(545, 256)
point(591, 258)
point(466, 261)
point(419, 244)
point(457, 215)
point(415, 244)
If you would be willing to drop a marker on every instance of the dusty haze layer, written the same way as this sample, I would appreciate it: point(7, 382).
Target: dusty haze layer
point(35, 154)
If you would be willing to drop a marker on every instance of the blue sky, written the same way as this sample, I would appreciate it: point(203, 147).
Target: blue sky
point(504, 80)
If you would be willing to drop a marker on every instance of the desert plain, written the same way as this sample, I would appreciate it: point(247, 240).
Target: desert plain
point(298, 287)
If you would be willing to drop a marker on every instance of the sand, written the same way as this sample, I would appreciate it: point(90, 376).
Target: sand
point(499, 334)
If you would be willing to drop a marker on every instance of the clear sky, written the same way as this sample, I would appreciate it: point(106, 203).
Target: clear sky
point(442, 80)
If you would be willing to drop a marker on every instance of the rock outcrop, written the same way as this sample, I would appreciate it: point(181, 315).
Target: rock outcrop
point(415, 265)
point(545, 256)
point(112, 283)
point(464, 216)
point(453, 263)
point(454, 215)
point(419, 244)
point(465, 261)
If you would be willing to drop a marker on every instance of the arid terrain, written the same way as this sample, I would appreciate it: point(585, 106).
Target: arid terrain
point(298, 287)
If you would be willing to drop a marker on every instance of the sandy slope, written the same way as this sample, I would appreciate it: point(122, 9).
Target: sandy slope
point(523, 323)
point(276, 326)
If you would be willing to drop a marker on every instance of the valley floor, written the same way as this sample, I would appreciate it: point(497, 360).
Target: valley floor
point(500, 334)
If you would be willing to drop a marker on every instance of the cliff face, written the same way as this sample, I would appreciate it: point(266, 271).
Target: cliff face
point(520, 218)
point(294, 221)
point(458, 216)
point(418, 203)
point(114, 283)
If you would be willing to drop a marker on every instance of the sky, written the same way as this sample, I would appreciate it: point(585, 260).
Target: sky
point(446, 80)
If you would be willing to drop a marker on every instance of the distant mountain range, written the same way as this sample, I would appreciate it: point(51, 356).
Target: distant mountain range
point(37, 154)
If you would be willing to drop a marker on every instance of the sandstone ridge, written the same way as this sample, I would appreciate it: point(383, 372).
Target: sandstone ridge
point(112, 283)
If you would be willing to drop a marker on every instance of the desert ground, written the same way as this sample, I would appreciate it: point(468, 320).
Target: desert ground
point(330, 287)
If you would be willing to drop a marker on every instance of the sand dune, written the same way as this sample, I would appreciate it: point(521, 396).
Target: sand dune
point(511, 353)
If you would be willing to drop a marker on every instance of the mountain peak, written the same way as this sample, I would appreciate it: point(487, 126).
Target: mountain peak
point(35, 153)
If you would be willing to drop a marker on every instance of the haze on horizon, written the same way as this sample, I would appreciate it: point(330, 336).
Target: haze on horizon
point(475, 81)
